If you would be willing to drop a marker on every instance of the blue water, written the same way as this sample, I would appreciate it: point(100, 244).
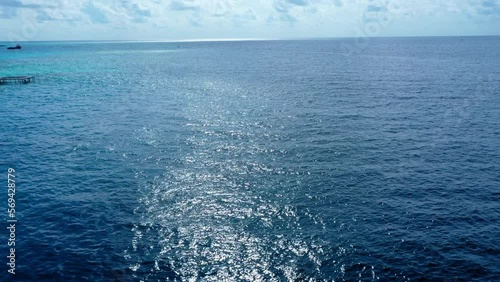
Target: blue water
point(254, 161)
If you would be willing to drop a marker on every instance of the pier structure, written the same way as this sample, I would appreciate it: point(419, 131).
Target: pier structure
point(17, 79)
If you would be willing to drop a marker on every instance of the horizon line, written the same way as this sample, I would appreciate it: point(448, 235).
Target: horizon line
point(242, 39)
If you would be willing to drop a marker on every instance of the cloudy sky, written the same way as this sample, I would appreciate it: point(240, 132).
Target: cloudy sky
point(22, 20)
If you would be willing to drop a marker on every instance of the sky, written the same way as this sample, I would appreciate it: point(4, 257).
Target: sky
point(163, 20)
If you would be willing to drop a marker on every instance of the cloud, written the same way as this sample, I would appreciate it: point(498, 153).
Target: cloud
point(195, 22)
point(19, 4)
point(219, 8)
point(375, 13)
point(8, 8)
point(283, 6)
point(248, 15)
point(177, 5)
point(141, 12)
point(43, 16)
point(259, 18)
point(138, 14)
point(7, 12)
point(95, 14)
point(373, 8)
point(286, 10)
point(488, 7)
point(338, 3)
point(280, 7)
point(298, 2)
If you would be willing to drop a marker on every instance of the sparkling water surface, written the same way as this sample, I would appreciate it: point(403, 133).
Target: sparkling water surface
point(255, 161)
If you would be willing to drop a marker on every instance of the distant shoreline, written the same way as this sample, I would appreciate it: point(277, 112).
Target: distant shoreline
point(243, 39)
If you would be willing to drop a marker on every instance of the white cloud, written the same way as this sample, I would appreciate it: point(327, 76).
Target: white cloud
point(183, 19)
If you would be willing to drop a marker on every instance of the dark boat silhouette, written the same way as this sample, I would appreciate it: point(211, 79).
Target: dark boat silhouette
point(15, 48)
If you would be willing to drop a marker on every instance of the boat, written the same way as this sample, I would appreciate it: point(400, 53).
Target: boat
point(15, 48)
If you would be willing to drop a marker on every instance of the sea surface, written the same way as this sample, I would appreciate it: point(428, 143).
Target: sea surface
point(254, 160)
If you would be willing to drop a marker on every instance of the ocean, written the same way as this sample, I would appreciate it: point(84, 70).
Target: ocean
point(253, 160)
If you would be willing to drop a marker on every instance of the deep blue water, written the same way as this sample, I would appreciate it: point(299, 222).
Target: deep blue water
point(254, 161)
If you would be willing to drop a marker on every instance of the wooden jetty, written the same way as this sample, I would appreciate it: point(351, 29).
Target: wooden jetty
point(17, 79)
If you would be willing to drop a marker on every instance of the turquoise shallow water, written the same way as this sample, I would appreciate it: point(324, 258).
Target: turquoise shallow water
point(255, 161)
